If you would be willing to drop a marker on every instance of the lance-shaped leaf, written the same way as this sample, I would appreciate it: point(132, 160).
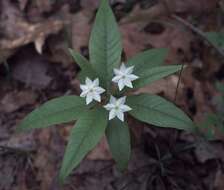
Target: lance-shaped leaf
point(56, 111)
point(157, 111)
point(86, 68)
point(155, 73)
point(105, 44)
point(146, 60)
point(118, 138)
point(87, 132)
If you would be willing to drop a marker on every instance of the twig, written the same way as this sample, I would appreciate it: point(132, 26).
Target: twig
point(198, 32)
point(178, 83)
point(15, 150)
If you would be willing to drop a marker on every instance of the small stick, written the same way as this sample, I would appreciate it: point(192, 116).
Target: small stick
point(16, 150)
point(178, 83)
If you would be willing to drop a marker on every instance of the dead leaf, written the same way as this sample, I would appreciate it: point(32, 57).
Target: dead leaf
point(31, 70)
point(44, 5)
point(90, 5)
point(15, 100)
point(207, 151)
point(101, 151)
point(139, 15)
point(166, 86)
point(192, 6)
point(219, 180)
point(175, 39)
point(23, 4)
point(17, 31)
point(80, 29)
point(23, 142)
point(167, 7)
point(133, 39)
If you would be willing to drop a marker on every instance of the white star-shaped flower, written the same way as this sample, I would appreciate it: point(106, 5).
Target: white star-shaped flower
point(117, 108)
point(91, 90)
point(124, 76)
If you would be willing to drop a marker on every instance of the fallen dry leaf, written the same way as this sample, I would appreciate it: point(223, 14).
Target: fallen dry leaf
point(23, 142)
point(31, 70)
point(134, 40)
point(80, 29)
point(139, 15)
point(207, 151)
point(15, 100)
point(168, 7)
point(175, 39)
point(17, 31)
point(219, 180)
point(192, 6)
point(23, 4)
point(90, 5)
point(101, 151)
point(166, 86)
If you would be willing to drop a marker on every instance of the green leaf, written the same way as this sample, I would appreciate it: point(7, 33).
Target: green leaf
point(105, 44)
point(155, 73)
point(216, 38)
point(147, 60)
point(86, 68)
point(87, 132)
point(118, 138)
point(56, 111)
point(157, 111)
point(220, 87)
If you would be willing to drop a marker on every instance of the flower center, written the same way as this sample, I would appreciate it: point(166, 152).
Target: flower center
point(116, 108)
point(123, 77)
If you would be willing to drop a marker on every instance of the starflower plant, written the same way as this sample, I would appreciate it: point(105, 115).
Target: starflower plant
point(107, 97)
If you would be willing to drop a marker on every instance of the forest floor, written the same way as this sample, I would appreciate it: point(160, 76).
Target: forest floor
point(35, 66)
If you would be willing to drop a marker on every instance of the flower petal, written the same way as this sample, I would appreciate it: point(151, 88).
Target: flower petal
point(99, 90)
point(96, 82)
point(97, 97)
point(117, 78)
point(121, 84)
point(109, 107)
point(125, 108)
point(117, 72)
point(120, 115)
point(88, 82)
point(113, 100)
point(129, 70)
point(89, 98)
point(128, 83)
point(132, 77)
point(121, 100)
point(112, 114)
point(122, 68)
point(83, 94)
